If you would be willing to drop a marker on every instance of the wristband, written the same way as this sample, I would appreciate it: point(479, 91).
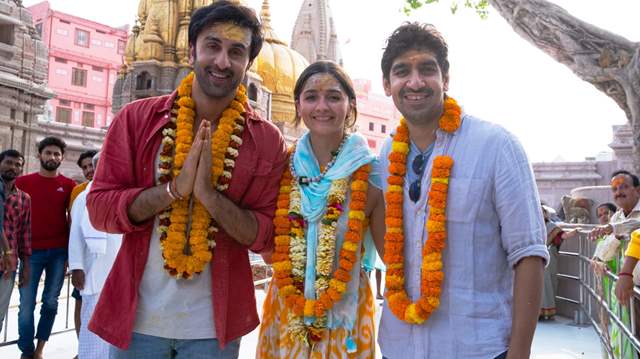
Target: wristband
point(625, 273)
point(174, 189)
point(169, 192)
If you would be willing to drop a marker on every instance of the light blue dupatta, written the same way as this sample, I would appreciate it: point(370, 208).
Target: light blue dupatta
point(354, 154)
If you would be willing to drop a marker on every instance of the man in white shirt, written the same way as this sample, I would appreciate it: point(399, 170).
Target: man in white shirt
point(478, 295)
point(91, 256)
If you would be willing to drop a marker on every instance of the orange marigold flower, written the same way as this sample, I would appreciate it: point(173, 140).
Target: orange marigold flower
point(335, 296)
point(395, 180)
point(443, 162)
point(393, 222)
point(358, 196)
point(345, 264)
point(352, 236)
point(348, 255)
point(355, 225)
point(440, 173)
point(357, 205)
point(397, 169)
point(342, 275)
point(393, 197)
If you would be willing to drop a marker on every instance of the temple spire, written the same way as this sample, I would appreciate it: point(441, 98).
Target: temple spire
point(269, 33)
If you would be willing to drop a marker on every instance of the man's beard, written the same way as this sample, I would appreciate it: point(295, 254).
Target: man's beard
point(50, 165)
point(8, 176)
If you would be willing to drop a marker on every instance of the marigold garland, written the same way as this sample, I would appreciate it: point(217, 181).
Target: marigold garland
point(289, 259)
point(186, 255)
point(431, 268)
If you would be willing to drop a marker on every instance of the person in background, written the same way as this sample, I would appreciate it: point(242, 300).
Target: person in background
point(91, 256)
point(85, 162)
point(49, 191)
point(555, 237)
point(17, 229)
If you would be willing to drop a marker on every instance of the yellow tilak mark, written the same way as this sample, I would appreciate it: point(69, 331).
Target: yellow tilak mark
point(233, 32)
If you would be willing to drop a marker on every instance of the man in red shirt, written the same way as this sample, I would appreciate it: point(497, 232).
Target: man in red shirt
point(154, 172)
point(49, 193)
point(17, 228)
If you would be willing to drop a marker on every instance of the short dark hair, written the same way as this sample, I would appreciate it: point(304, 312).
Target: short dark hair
point(333, 69)
point(634, 178)
point(86, 154)
point(612, 207)
point(225, 11)
point(11, 153)
point(51, 141)
point(415, 36)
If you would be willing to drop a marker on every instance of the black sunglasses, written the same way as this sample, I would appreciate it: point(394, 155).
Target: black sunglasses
point(418, 165)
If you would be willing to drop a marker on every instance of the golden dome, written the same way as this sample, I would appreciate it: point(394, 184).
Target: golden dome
point(279, 66)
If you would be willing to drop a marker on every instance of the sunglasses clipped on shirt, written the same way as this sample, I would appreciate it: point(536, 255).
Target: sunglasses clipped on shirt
point(417, 166)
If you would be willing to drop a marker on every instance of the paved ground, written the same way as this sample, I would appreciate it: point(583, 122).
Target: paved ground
point(557, 339)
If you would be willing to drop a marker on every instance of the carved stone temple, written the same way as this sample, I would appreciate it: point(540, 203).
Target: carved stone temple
point(157, 59)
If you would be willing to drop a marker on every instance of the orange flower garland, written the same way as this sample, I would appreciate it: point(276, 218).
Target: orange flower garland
point(431, 269)
point(288, 227)
point(185, 255)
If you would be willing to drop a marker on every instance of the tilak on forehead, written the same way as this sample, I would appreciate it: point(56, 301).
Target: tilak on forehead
point(617, 181)
point(233, 32)
point(323, 82)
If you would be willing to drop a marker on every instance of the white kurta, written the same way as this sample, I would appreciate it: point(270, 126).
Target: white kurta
point(93, 252)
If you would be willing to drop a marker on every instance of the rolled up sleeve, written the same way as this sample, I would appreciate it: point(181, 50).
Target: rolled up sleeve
point(115, 184)
point(518, 204)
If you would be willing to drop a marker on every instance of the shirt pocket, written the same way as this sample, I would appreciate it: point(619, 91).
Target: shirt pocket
point(250, 179)
point(464, 198)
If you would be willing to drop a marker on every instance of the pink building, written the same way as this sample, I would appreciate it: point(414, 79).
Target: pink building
point(84, 59)
point(377, 116)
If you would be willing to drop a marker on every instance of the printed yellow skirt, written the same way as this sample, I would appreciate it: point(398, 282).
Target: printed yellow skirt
point(274, 342)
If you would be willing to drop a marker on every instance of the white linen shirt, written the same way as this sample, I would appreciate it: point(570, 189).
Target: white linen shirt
point(89, 249)
point(494, 220)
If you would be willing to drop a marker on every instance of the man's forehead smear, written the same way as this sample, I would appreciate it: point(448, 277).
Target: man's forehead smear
point(617, 181)
point(233, 32)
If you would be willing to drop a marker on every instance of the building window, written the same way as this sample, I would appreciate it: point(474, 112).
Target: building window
point(144, 81)
point(121, 47)
point(12, 114)
point(60, 60)
point(63, 115)
point(39, 29)
point(88, 106)
point(64, 103)
point(79, 77)
point(253, 92)
point(383, 128)
point(65, 22)
point(7, 34)
point(82, 38)
point(97, 68)
point(371, 126)
point(88, 119)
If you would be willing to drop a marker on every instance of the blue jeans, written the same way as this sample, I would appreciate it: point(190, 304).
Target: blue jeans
point(52, 262)
point(150, 347)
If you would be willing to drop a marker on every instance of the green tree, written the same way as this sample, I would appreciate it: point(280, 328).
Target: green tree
point(606, 60)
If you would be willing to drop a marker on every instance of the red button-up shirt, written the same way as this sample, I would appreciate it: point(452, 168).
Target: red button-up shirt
point(127, 167)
